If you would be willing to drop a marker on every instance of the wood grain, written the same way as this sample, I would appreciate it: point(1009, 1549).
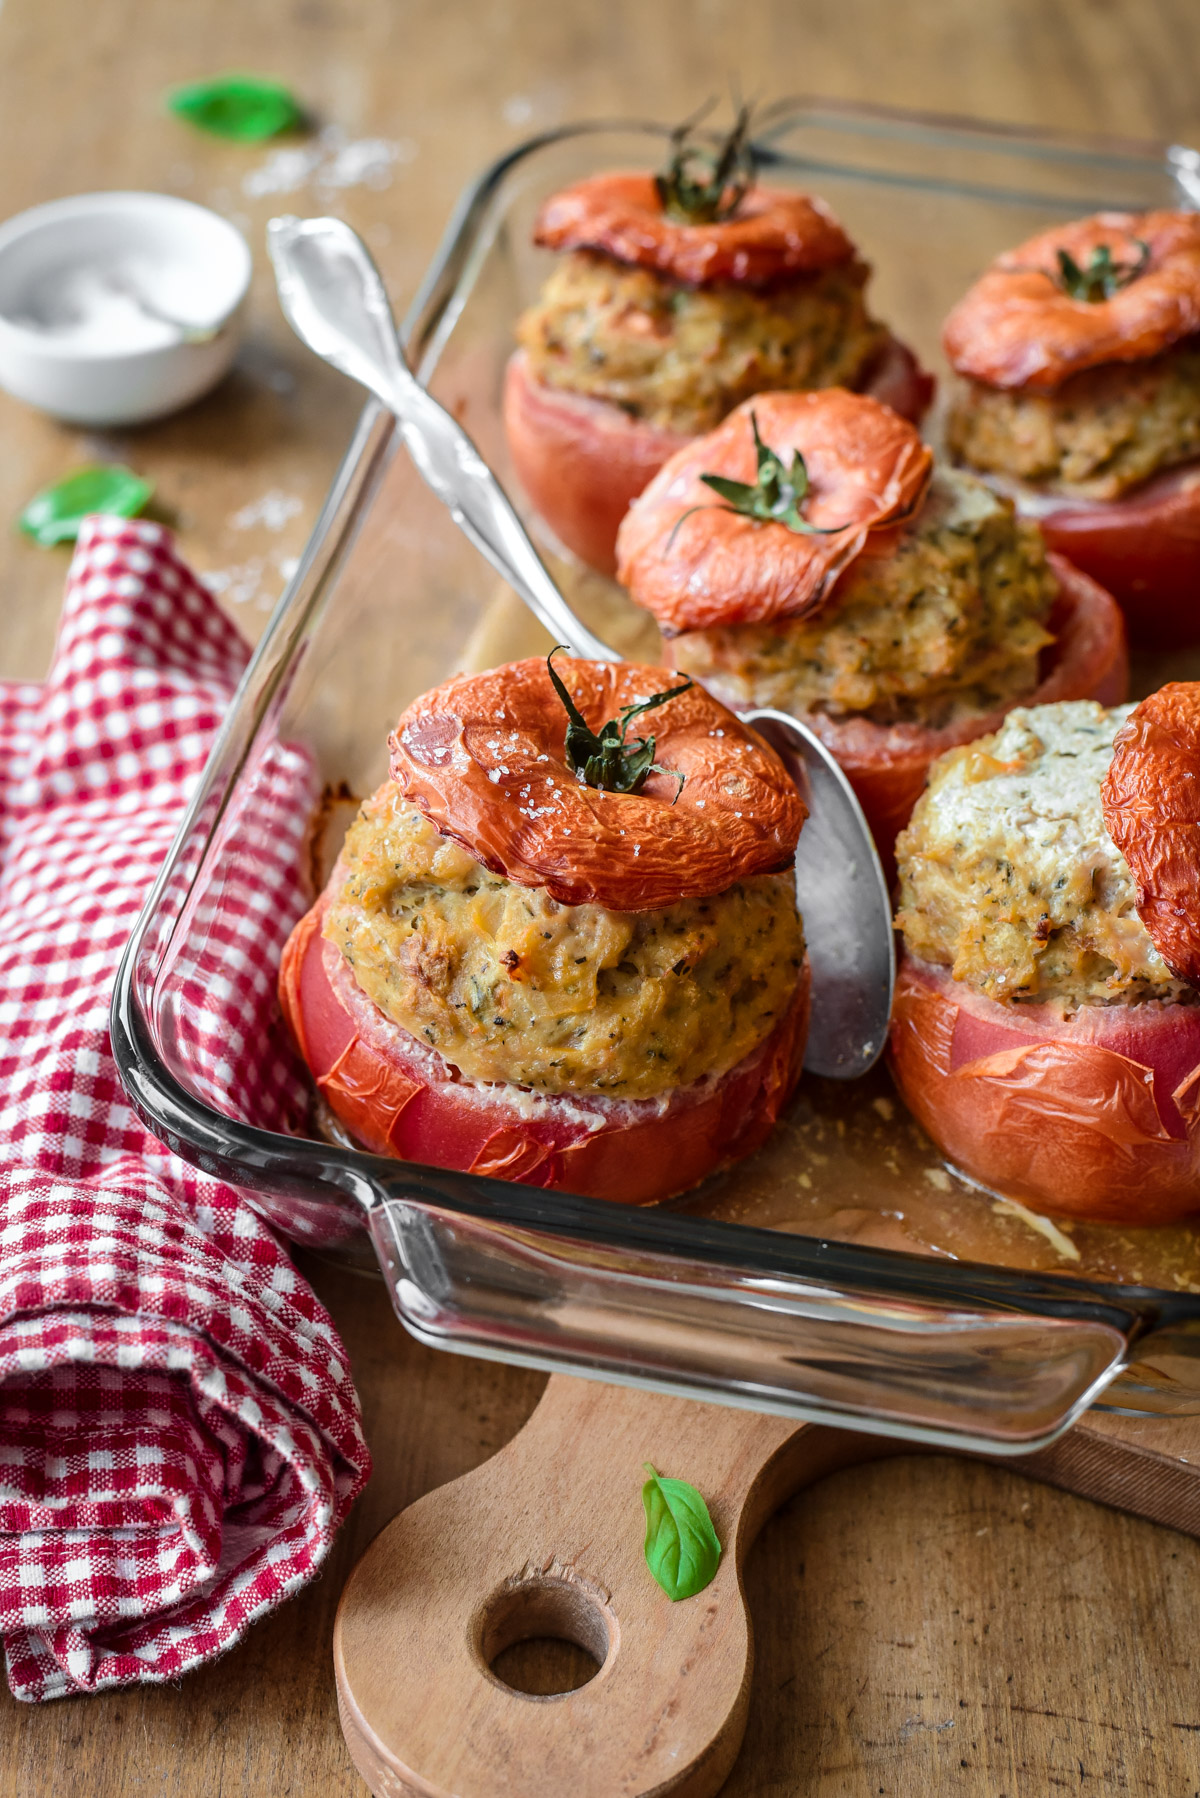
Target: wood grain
point(545, 1540)
point(923, 1626)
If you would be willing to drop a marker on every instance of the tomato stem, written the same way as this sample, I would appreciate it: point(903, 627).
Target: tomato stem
point(606, 758)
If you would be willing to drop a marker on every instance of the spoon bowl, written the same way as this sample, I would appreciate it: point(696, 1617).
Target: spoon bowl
point(334, 299)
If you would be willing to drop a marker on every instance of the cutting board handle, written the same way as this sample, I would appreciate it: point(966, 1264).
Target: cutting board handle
point(545, 1539)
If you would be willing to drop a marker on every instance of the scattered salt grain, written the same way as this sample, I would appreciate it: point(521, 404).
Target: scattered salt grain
point(238, 584)
point(273, 511)
point(333, 162)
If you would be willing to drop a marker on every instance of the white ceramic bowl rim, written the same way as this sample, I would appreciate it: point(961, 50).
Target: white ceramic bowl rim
point(227, 254)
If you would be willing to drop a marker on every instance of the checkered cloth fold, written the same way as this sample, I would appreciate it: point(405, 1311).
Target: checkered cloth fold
point(179, 1435)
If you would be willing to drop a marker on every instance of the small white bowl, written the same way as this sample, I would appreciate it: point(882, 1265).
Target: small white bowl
point(98, 294)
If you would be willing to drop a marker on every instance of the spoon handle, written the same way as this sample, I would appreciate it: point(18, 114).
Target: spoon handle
point(462, 480)
point(335, 300)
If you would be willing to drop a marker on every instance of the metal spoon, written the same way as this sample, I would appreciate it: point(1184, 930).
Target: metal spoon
point(334, 299)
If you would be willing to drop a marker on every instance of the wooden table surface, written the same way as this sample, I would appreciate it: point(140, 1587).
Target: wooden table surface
point(925, 1625)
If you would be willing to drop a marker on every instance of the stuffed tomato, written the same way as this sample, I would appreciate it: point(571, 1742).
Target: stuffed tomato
point(1078, 356)
point(1045, 1033)
point(675, 297)
point(807, 555)
point(558, 951)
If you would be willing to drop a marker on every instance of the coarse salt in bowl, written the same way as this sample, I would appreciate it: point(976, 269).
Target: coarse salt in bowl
point(116, 308)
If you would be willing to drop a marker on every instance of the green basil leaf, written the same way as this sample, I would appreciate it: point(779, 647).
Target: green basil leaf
point(682, 1550)
point(55, 514)
point(247, 108)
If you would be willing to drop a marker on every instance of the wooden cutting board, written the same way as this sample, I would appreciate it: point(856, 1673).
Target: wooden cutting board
point(545, 1540)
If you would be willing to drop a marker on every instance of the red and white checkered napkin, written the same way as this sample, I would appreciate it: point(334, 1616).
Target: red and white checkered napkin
point(179, 1436)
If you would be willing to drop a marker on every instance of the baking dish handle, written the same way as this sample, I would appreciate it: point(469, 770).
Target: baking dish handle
point(911, 1364)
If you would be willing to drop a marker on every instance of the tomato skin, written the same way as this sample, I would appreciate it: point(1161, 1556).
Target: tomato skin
point(1151, 801)
point(1095, 1116)
point(583, 462)
point(1018, 328)
point(1145, 549)
point(772, 234)
point(897, 379)
point(694, 564)
point(484, 757)
point(398, 1098)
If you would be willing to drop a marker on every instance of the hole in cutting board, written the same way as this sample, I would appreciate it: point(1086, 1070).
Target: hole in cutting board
point(544, 1636)
point(544, 1667)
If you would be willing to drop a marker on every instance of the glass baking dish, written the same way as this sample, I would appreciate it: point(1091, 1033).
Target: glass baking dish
point(842, 1274)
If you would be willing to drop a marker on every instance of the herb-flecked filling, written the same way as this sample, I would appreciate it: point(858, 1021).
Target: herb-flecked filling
point(944, 619)
point(1100, 434)
point(509, 985)
point(682, 357)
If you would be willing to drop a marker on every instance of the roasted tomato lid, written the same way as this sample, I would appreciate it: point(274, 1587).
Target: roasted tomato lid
point(1151, 800)
point(695, 563)
point(485, 758)
point(772, 233)
point(1118, 287)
